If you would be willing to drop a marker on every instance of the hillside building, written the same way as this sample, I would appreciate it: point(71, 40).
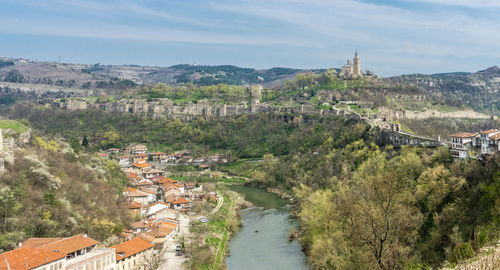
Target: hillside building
point(352, 70)
point(61, 253)
point(479, 144)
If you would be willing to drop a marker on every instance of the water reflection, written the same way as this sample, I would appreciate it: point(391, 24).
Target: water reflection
point(262, 242)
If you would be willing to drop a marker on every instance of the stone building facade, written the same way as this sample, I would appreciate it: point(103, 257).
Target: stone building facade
point(352, 70)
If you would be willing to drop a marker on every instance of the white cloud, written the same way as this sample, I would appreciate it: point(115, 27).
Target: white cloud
point(463, 3)
point(113, 31)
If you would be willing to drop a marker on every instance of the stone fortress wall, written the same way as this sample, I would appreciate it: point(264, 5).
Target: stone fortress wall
point(392, 115)
point(166, 108)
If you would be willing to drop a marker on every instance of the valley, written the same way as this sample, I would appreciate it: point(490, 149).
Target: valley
point(185, 168)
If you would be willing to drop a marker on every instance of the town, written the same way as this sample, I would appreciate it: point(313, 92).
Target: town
point(162, 209)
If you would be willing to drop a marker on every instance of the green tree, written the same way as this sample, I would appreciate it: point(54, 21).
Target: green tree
point(8, 205)
point(14, 76)
point(85, 141)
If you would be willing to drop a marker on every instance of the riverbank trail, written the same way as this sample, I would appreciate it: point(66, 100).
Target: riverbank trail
point(220, 201)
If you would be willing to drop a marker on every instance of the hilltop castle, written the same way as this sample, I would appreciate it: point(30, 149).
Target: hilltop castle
point(352, 70)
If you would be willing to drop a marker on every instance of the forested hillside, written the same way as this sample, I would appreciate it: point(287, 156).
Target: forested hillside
point(480, 90)
point(362, 205)
point(365, 207)
point(98, 76)
point(242, 135)
point(50, 188)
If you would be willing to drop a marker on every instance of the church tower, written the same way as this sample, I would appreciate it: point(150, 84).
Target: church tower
point(356, 66)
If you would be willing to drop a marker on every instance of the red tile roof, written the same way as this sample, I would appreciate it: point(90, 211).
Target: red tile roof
point(37, 242)
point(159, 153)
point(464, 135)
point(64, 245)
point(141, 165)
point(129, 189)
point(489, 131)
point(164, 180)
point(131, 247)
point(137, 193)
point(178, 201)
point(496, 137)
point(134, 205)
point(28, 258)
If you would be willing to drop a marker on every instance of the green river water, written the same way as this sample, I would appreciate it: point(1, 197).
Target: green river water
point(262, 243)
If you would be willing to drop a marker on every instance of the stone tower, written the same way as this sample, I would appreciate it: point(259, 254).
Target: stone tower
point(257, 91)
point(356, 66)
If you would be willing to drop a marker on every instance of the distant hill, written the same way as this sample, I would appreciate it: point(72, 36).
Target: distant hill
point(115, 76)
point(479, 90)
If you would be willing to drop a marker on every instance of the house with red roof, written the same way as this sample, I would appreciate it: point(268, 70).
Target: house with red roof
point(76, 252)
point(178, 203)
point(141, 167)
point(487, 144)
point(138, 149)
point(32, 258)
point(158, 156)
point(151, 173)
point(130, 255)
point(160, 210)
point(124, 160)
point(461, 144)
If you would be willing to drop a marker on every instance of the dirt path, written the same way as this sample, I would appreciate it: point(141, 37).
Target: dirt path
point(220, 201)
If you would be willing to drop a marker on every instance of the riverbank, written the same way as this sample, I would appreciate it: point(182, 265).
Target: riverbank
point(263, 240)
point(208, 248)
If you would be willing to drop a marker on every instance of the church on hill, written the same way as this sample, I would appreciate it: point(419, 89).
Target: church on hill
point(352, 70)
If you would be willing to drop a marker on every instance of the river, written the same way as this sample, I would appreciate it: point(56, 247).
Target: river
point(262, 243)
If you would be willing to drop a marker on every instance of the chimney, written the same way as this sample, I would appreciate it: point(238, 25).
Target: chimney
point(20, 244)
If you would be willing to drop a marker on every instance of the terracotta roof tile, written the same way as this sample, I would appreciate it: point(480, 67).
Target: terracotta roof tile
point(178, 201)
point(28, 258)
point(137, 193)
point(495, 137)
point(489, 131)
point(69, 244)
point(36, 242)
point(464, 135)
point(129, 189)
point(141, 165)
point(134, 205)
point(131, 247)
point(163, 180)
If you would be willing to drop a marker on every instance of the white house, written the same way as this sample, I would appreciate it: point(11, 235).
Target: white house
point(487, 144)
point(461, 144)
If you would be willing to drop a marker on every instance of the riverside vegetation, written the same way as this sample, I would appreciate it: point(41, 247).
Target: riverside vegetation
point(361, 205)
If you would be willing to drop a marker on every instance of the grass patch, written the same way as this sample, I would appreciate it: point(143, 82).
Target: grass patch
point(18, 127)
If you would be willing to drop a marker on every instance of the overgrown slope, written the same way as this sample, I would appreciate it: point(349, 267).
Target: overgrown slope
point(48, 190)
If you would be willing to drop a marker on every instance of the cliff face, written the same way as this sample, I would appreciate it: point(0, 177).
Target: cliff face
point(480, 90)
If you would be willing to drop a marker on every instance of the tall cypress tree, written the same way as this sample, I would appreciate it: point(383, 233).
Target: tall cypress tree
point(85, 141)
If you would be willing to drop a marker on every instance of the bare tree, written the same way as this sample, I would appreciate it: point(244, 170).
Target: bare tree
point(155, 259)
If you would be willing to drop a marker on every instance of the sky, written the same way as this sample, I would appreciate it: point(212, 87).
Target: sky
point(392, 36)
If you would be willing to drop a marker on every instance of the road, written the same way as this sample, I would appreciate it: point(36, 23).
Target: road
point(175, 262)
